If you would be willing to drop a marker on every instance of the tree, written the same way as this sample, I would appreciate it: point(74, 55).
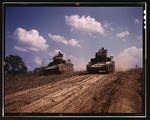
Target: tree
point(15, 64)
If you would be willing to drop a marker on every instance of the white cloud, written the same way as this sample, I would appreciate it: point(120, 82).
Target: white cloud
point(32, 48)
point(136, 21)
point(61, 39)
point(129, 58)
point(58, 38)
point(25, 49)
point(38, 60)
point(20, 49)
point(53, 53)
point(74, 42)
point(112, 29)
point(84, 24)
point(123, 34)
point(31, 39)
point(108, 26)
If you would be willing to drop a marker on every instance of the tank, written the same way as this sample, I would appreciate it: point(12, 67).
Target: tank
point(101, 63)
point(59, 65)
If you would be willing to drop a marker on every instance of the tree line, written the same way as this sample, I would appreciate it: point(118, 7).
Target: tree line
point(14, 64)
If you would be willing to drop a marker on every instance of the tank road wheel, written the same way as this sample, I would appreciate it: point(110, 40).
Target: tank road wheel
point(107, 69)
point(113, 69)
point(90, 72)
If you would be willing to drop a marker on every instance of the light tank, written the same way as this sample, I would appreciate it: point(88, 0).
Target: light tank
point(59, 65)
point(101, 63)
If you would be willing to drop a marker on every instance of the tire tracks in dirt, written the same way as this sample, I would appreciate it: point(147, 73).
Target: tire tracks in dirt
point(22, 98)
point(68, 95)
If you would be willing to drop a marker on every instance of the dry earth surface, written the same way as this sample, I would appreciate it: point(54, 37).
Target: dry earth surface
point(77, 92)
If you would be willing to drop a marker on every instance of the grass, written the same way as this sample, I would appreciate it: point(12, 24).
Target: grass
point(17, 82)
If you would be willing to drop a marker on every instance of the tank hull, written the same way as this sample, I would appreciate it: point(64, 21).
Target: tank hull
point(103, 68)
point(60, 68)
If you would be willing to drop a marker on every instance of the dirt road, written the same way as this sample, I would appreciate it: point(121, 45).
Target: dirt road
point(79, 94)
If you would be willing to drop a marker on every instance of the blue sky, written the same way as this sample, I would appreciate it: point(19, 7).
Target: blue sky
point(38, 33)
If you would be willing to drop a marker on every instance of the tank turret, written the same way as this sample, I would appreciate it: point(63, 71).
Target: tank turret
point(59, 65)
point(102, 53)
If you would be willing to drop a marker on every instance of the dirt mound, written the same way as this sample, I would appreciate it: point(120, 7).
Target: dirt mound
point(128, 97)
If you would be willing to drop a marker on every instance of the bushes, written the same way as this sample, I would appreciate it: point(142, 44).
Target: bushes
point(14, 64)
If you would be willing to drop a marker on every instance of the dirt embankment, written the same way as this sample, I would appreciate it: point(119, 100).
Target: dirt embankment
point(122, 95)
point(129, 94)
point(19, 82)
point(120, 92)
